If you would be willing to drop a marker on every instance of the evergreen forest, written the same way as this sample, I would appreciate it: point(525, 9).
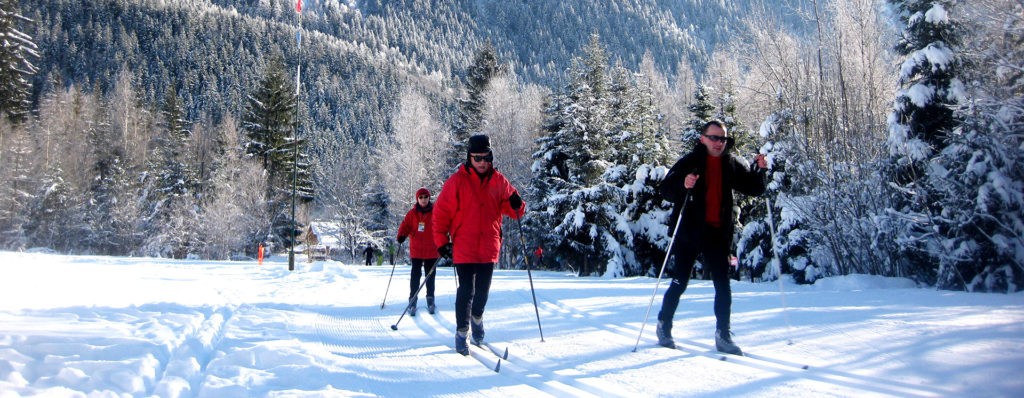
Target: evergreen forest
point(894, 129)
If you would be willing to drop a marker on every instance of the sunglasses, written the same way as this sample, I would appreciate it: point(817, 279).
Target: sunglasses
point(424, 197)
point(716, 138)
point(489, 158)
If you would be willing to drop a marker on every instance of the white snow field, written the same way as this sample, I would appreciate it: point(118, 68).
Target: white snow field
point(77, 326)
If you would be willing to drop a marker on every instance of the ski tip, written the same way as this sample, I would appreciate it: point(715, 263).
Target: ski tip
point(723, 358)
point(497, 368)
point(804, 367)
point(394, 327)
point(505, 355)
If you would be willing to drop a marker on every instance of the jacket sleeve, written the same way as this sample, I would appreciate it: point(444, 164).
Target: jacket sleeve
point(750, 180)
point(406, 226)
point(444, 211)
point(671, 187)
point(506, 207)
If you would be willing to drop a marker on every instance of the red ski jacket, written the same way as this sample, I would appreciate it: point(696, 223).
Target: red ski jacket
point(468, 212)
point(418, 227)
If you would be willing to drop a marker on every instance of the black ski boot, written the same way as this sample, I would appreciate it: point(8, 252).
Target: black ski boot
point(430, 305)
point(461, 343)
point(723, 342)
point(664, 332)
point(478, 329)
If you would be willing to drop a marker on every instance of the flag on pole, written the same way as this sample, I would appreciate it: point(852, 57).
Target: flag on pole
point(298, 6)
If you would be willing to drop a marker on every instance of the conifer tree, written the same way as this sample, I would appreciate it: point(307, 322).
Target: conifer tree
point(929, 85)
point(270, 125)
point(921, 120)
point(16, 53)
point(173, 210)
point(485, 67)
point(573, 157)
point(702, 109)
point(108, 176)
point(16, 194)
point(377, 216)
point(978, 178)
point(641, 154)
point(269, 121)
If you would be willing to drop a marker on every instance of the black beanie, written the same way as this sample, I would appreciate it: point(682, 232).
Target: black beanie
point(479, 144)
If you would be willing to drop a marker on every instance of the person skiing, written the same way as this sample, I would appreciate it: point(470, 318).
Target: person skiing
point(368, 252)
point(467, 229)
point(418, 227)
point(705, 179)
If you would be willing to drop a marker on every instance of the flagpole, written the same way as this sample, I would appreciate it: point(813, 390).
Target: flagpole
point(295, 135)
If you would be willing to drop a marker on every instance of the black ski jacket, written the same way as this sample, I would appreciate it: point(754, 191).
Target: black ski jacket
point(736, 174)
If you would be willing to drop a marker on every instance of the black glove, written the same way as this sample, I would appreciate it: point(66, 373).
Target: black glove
point(515, 201)
point(401, 239)
point(445, 250)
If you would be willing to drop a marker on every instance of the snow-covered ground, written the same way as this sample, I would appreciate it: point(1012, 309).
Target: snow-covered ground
point(107, 326)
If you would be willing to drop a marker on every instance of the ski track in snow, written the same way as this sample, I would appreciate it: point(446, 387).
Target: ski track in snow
point(210, 329)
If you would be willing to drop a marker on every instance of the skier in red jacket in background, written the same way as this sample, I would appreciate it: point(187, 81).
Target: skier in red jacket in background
point(417, 226)
point(467, 229)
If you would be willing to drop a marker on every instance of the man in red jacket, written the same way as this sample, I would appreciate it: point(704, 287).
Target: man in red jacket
point(467, 229)
point(418, 227)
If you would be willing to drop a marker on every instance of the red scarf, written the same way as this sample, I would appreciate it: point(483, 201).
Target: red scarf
point(713, 197)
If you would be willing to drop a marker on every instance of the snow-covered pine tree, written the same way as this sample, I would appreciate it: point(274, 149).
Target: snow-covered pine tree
point(921, 120)
point(929, 84)
point(485, 67)
point(16, 69)
point(791, 196)
point(173, 212)
point(641, 152)
point(377, 217)
point(16, 193)
point(578, 207)
point(701, 110)
point(109, 175)
point(270, 125)
point(52, 212)
point(978, 178)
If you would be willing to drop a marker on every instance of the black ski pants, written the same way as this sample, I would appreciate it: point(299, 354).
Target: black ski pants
point(714, 245)
point(471, 297)
point(421, 266)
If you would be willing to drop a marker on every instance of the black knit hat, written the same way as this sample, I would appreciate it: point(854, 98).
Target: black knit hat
point(479, 144)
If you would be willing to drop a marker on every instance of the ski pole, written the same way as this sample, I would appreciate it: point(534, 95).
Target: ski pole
point(668, 253)
point(782, 294)
point(522, 243)
point(406, 310)
point(389, 284)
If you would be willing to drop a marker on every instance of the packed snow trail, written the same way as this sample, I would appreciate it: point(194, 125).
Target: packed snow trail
point(151, 327)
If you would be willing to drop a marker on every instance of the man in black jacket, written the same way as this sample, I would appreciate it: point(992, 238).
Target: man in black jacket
point(701, 184)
